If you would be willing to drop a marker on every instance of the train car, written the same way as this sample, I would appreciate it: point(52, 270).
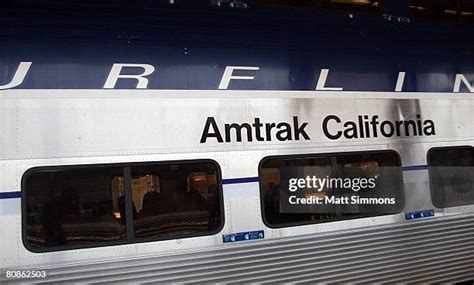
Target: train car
point(178, 141)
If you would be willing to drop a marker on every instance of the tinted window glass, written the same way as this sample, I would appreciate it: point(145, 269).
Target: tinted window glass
point(173, 200)
point(78, 207)
point(347, 185)
point(87, 206)
point(452, 176)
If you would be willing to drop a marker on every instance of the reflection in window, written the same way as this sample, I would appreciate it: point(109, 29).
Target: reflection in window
point(274, 177)
point(275, 174)
point(452, 176)
point(181, 200)
point(385, 168)
point(73, 207)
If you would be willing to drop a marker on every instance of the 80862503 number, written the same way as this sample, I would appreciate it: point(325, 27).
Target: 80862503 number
point(24, 274)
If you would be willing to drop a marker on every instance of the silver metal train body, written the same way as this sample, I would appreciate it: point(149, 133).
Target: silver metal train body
point(74, 127)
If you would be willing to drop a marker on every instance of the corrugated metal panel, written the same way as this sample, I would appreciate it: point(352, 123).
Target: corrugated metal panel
point(432, 250)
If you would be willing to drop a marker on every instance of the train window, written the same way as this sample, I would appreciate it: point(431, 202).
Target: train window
point(317, 188)
point(86, 206)
point(452, 176)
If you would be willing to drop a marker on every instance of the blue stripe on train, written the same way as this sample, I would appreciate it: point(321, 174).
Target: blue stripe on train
point(415, 167)
point(10, 195)
point(17, 194)
point(240, 180)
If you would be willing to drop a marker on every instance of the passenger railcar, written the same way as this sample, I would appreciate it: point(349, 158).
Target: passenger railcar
point(155, 141)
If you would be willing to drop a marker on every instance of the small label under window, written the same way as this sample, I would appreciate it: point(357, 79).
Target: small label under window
point(243, 236)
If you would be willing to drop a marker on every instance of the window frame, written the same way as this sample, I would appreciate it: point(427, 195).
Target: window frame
point(326, 154)
point(124, 166)
point(430, 174)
